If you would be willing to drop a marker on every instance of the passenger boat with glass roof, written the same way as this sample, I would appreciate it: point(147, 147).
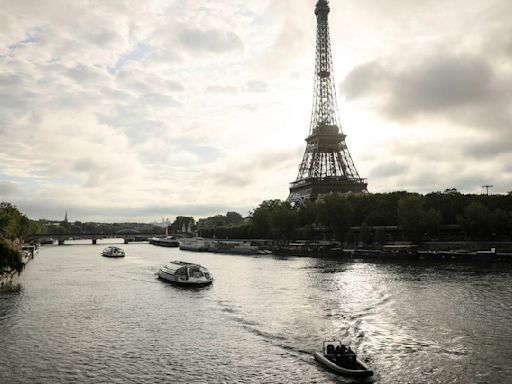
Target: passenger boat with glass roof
point(180, 272)
point(113, 252)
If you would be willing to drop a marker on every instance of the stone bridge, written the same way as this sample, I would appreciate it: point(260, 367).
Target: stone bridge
point(94, 237)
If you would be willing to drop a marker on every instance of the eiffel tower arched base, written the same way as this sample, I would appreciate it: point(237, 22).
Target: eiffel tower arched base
point(312, 189)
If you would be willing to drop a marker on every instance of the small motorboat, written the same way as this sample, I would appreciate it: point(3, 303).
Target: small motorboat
point(112, 252)
point(341, 360)
point(180, 272)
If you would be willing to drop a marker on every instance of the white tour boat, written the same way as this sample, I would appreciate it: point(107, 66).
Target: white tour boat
point(180, 272)
point(113, 252)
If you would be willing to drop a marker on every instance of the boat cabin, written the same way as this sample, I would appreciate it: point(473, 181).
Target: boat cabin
point(184, 271)
point(113, 252)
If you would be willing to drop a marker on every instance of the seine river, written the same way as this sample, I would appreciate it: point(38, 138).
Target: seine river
point(78, 317)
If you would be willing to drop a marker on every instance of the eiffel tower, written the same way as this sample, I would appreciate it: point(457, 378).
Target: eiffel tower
point(327, 165)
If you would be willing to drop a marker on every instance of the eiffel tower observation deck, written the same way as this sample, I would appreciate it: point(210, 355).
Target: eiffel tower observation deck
point(327, 165)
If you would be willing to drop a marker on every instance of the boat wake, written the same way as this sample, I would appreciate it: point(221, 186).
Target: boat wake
point(256, 328)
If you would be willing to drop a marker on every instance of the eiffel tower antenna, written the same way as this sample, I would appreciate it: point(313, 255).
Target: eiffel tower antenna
point(327, 165)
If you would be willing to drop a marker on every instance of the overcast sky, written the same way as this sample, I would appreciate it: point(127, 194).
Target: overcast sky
point(138, 110)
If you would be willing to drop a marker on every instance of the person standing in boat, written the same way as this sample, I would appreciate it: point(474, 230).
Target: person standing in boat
point(340, 355)
point(337, 354)
point(350, 358)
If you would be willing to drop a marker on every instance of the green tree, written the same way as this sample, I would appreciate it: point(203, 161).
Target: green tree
point(336, 213)
point(432, 222)
point(15, 225)
point(384, 209)
point(260, 218)
point(10, 221)
point(380, 235)
point(476, 221)
point(365, 234)
point(181, 221)
point(282, 220)
point(449, 204)
point(234, 218)
point(10, 257)
point(499, 223)
point(416, 222)
point(307, 213)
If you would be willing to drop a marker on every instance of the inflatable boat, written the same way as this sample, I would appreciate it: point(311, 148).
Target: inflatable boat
point(341, 360)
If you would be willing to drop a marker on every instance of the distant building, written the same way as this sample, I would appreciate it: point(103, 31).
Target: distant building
point(164, 223)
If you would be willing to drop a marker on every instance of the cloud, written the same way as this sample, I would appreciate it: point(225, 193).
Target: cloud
point(206, 104)
point(86, 74)
point(210, 41)
point(10, 80)
point(455, 118)
point(257, 86)
point(140, 81)
point(9, 189)
point(293, 36)
point(489, 148)
point(387, 169)
point(221, 89)
point(253, 86)
point(260, 163)
point(463, 88)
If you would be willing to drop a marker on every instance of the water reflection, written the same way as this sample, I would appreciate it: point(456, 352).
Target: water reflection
point(421, 319)
point(10, 299)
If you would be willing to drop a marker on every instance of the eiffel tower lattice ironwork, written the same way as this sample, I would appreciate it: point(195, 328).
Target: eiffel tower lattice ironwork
point(327, 165)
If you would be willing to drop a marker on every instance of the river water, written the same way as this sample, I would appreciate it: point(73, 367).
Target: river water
point(78, 317)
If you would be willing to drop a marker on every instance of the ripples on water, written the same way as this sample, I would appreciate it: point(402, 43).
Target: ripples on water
point(79, 317)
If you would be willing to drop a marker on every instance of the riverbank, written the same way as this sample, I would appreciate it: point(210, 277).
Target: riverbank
point(461, 255)
point(436, 251)
point(9, 277)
